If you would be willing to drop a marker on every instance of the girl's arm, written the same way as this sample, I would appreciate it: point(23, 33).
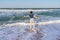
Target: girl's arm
point(35, 17)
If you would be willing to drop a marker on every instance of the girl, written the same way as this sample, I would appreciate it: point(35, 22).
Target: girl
point(32, 23)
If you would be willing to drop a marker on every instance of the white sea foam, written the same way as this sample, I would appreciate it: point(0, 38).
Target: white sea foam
point(5, 10)
point(15, 30)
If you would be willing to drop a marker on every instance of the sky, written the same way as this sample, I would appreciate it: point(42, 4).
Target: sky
point(29, 3)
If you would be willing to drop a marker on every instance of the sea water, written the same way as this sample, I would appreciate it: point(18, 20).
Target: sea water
point(13, 16)
point(10, 28)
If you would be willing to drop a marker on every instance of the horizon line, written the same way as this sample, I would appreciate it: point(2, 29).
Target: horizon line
point(29, 8)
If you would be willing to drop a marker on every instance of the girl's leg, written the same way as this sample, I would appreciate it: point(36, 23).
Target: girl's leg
point(31, 25)
point(34, 28)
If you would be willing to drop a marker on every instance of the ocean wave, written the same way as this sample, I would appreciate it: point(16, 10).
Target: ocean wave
point(19, 14)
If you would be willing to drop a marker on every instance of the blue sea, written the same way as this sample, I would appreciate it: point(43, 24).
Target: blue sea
point(21, 15)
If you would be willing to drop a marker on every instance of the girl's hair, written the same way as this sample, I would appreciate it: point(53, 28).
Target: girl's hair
point(31, 12)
